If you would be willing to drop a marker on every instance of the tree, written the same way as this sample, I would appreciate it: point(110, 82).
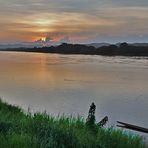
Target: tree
point(90, 121)
point(123, 45)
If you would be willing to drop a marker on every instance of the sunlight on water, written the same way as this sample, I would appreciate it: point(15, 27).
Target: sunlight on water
point(69, 83)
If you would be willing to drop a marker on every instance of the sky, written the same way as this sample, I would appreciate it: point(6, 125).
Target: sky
point(76, 21)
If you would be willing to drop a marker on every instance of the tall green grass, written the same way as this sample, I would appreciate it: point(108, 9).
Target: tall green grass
point(25, 130)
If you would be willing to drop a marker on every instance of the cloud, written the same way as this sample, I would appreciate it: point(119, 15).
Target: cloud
point(65, 39)
point(81, 19)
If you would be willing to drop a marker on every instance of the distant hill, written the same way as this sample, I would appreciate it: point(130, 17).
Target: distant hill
point(135, 44)
point(97, 45)
point(140, 44)
point(40, 45)
point(20, 45)
point(123, 49)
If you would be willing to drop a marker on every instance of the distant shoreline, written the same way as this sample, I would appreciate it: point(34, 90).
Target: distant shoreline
point(112, 50)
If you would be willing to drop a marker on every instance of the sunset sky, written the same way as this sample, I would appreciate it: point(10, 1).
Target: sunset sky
point(79, 21)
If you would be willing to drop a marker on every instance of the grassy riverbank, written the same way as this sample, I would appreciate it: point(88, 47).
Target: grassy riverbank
point(25, 130)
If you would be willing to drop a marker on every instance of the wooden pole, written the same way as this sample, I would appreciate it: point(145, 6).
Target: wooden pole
point(132, 127)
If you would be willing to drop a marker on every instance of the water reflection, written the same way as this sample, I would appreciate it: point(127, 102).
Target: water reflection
point(68, 84)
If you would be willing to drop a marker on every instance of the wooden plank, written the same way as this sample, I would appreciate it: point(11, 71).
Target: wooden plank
point(132, 127)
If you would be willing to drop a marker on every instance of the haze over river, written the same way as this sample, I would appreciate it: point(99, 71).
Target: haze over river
point(70, 83)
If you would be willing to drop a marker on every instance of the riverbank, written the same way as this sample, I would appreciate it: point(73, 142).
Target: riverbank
point(20, 129)
point(112, 50)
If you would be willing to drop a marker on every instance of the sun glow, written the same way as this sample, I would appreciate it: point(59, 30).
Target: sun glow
point(39, 39)
point(43, 39)
point(43, 22)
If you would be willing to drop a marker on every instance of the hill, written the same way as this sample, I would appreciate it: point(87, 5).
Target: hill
point(123, 49)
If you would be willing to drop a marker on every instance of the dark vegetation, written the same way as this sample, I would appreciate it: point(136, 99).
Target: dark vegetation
point(19, 129)
point(123, 49)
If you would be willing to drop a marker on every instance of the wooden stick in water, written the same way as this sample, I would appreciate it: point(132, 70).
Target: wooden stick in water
point(132, 127)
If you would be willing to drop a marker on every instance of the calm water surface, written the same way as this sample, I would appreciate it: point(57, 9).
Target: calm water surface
point(69, 83)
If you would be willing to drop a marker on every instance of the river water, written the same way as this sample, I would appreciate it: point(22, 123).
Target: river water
point(68, 84)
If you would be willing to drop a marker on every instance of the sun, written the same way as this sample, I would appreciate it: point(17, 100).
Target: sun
point(39, 39)
point(43, 39)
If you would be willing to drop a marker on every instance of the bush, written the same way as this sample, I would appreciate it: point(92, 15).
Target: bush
point(39, 130)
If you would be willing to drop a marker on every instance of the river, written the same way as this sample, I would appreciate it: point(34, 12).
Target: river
point(68, 84)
